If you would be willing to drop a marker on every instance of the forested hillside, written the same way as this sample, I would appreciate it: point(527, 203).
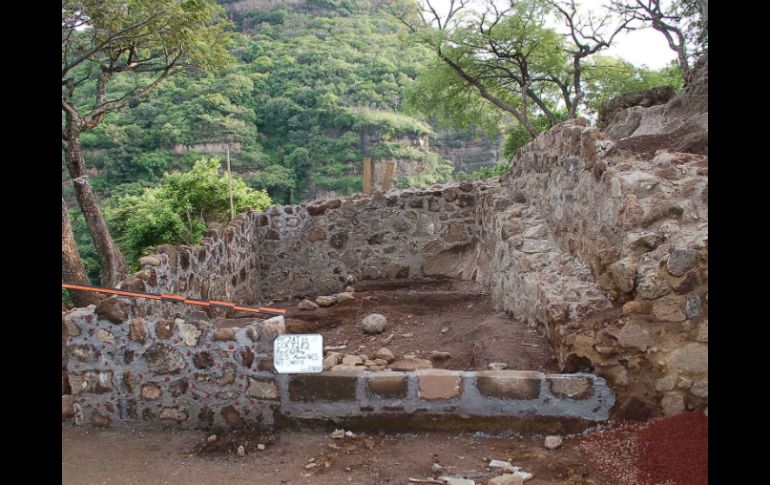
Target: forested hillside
point(313, 87)
point(311, 92)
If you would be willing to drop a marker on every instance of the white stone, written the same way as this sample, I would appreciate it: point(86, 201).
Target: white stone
point(374, 323)
point(552, 442)
point(456, 481)
point(501, 464)
point(105, 336)
point(188, 333)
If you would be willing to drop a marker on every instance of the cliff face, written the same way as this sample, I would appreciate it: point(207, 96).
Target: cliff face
point(468, 151)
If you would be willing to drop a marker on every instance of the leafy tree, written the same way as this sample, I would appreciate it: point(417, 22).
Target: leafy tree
point(607, 77)
point(179, 210)
point(116, 52)
point(684, 24)
point(508, 56)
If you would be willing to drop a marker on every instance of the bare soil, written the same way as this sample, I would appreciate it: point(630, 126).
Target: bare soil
point(442, 316)
point(92, 456)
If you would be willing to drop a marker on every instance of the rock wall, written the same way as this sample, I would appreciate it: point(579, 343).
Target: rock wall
point(608, 250)
point(198, 373)
point(307, 250)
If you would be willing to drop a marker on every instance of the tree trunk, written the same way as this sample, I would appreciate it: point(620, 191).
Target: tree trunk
point(72, 269)
point(113, 264)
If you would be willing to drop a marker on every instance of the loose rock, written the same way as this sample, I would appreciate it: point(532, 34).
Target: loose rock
point(385, 354)
point(326, 301)
point(410, 364)
point(352, 360)
point(307, 305)
point(552, 442)
point(374, 323)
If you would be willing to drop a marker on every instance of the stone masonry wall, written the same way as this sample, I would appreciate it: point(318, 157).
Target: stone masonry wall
point(310, 250)
point(223, 267)
point(608, 250)
point(198, 373)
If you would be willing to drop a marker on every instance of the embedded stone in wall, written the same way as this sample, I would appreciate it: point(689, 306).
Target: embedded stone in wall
point(228, 375)
point(456, 232)
point(262, 389)
point(105, 337)
point(100, 420)
point(681, 260)
point(137, 331)
point(623, 274)
point(338, 240)
point(164, 329)
point(272, 327)
point(247, 358)
point(113, 309)
point(572, 387)
point(387, 385)
point(85, 353)
point(692, 357)
point(316, 234)
point(203, 360)
point(188, 333)
point(438, 384)
point(515, 385)
point(151, 392)
point(162, 359)
point(179, 387)
point(635, 336)
point(337, 385)
point(173, 414)
point(652, 285)
point(225, 334)
point(91, 382)
point(669, 309)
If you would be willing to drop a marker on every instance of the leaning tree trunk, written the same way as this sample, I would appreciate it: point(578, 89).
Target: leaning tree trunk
point(72, 268)
point(113, 263)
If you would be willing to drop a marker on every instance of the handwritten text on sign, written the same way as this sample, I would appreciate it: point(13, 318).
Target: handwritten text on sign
point(299, 353)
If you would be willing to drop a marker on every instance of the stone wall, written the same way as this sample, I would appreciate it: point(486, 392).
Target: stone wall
point(194, 372)
point(310, 250)
point(607, 249)
point(223, 267)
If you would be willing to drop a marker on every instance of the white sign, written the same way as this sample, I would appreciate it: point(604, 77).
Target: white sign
point(300, 353)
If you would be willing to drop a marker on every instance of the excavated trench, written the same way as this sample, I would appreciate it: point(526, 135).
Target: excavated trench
point(453, 323)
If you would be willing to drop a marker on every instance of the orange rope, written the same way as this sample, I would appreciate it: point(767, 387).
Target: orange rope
point(175, 299)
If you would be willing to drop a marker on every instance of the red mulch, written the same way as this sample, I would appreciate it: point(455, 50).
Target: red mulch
point(664, 451)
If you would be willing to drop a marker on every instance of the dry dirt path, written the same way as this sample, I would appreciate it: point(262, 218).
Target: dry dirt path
point(166, 457)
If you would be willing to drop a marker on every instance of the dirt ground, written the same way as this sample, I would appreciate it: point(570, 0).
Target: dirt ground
point(169, 457)
point(442, 316)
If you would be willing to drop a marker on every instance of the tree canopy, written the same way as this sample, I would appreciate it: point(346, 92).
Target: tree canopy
point(179, 209)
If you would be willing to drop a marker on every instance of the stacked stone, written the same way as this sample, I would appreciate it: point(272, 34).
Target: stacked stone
point(224, 266)
point(187, 372)
point(639, 226)
point(312, 249)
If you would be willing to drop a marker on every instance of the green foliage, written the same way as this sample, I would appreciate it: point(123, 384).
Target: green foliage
point(85, 245)
point(607, 77)
point(66, 298)
point(497, 170)
point(179, 210)
point(305, 87)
